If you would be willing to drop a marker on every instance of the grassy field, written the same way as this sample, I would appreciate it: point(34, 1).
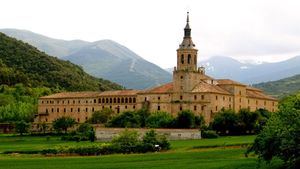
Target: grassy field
point(183, 154)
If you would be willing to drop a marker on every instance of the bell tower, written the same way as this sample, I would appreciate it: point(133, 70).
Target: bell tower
point(186, 75)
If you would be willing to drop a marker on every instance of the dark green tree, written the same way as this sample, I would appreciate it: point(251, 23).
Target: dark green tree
point(160, 120)
point(225, 122)
point(63, 123)
point(101, 117)
point(22, 127)
point(126, 119)
point(185, 119)
point(247, 121)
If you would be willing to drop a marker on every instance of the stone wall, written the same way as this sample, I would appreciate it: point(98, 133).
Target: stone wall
point(106, 134)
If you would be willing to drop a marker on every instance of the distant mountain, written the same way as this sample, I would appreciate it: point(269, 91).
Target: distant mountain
point(23, 63)
point(226, 67)
point(281, 87)
point(106, 59)
point(113, 61)
point(249, 73)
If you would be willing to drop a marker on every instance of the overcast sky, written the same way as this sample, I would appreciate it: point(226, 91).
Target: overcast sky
point(265, 30)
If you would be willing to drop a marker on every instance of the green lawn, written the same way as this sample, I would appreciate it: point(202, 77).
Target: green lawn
point(183, 154)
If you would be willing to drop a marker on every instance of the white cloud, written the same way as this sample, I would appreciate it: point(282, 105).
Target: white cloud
point(254, 29)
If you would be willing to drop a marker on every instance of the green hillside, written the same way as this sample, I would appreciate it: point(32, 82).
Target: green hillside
point(23, 63)
point(281, 87)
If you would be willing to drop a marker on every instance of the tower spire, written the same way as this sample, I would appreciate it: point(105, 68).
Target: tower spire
point(187, 29)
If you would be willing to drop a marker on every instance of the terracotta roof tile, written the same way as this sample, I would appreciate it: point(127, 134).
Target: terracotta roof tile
point(88, 94)
point(229, 82)
point(253, 88)
point(258, 94)
point(71, 95)
point(166, 88)
point(209, 88)
point(119, 93)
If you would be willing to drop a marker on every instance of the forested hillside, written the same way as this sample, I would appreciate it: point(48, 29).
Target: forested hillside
point(23, 63)
point(281, 87)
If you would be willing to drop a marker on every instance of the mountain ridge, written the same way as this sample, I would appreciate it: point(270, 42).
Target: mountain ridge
point(20, 60)
point(104, 58)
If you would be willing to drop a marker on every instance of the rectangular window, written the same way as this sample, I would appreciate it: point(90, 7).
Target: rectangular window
point(78, 110)
point(57, 110)
point(158, 107)
point(216, 97)
point(195, 97)
point(195, 108)
point(216, 108)
point(93, 109)
point(65, 110)
point(181, 97)
point(158, 98)
point(202, 107)
point(86, 109)
point(71, 109)
point(202, 97)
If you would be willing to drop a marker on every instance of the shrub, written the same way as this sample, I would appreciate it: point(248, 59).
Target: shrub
point(126, 119)
point(209, 134)
point(151, 139)
point(247, 121)
point(225, 122)
point(101, 117)
point(199, 122)
point(280, 137)
point(127, 141)
point(185, 119)
point(63, 123)
point(83, 133)
point(22, 127)
point(159, 120)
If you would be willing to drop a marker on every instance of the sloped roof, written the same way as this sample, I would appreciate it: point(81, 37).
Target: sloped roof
point(119, 93)
point(258, 94)
point(88, 94)
point(72, 95)
point(204, 87)
point(229, 82)
point(253, 88)
point(166, 88)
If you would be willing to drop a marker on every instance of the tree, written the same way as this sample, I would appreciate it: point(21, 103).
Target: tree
point(200, 122)
point(185, 119)
point(151, 139)
point(159, 120)
point(144, 114)
point(44, 127)
point(126, 141)
point(125, 119)
point(63, 123)
point(22, 127)
point(280, 136)
point(101, 117)
point(247, 120)
point(225, 122)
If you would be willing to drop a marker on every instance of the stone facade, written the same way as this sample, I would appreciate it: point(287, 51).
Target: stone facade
point(190, 89)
